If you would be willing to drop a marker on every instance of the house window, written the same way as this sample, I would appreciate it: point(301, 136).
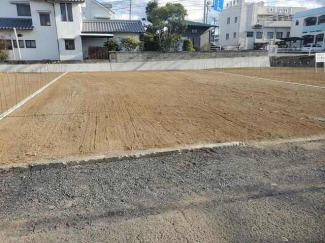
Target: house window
point(321, 19)
point(235, 35)
point(270, 35)
point(194, 31)
point(30, 44)
point(297, 22)
point(23, 10)
point(250, 34)
point(279, 35)
point(236, 19)
point(21, 44)
point(228, 20)
point(259, 35)
point(45, 19)
point(69, 45)
point(227, 36)
point(66, 12)
point(288, 34)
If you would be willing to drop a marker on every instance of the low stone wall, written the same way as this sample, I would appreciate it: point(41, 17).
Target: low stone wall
point(237, 62)
point(293, 61)
point(125, 57)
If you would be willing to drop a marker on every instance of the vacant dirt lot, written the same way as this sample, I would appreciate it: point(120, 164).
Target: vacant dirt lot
point(298, 75)
point(97, 113)
point(15, 87)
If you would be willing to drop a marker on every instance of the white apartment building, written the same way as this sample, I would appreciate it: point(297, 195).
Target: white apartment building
point(58, 29)
point(254, 25)
point(309, 25)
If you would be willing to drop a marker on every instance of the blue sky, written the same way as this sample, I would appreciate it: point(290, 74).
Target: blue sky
point(195, 7)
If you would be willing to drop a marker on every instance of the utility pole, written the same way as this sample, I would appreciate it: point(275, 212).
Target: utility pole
point(130, 9)
point(205, 11)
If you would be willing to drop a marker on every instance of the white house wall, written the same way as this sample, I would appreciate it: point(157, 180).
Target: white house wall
point(92, 10)
point(70, 30)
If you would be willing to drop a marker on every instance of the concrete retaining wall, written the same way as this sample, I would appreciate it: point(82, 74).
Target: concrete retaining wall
point(137, 66)
point(126, 57)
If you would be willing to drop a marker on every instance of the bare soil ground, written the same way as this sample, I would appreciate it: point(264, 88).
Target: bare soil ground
point(15, 87)
point(99, 113)
point(298, 75)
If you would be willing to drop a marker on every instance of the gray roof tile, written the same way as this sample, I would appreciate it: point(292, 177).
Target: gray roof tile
point(18, 23)
point(71, 1)
point(112, 26)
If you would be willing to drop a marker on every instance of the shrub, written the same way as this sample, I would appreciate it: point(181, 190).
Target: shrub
point(3, 55)
point(188, 45)
point(149, 42)
point(129, 43)
point(112, 45)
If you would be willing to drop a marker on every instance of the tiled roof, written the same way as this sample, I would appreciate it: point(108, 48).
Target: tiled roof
point(18, 23)
point(71, 1)
point(112, 26)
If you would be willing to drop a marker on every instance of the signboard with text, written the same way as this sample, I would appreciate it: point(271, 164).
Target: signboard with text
point(218, 5)
point(320, 57)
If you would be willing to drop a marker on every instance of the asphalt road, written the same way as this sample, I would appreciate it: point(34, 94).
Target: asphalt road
point(235, 194)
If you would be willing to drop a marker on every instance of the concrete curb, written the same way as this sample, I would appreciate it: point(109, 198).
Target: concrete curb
point(70, 161)
point(106, 158)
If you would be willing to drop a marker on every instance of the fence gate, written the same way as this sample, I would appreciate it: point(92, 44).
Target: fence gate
point(98, 52)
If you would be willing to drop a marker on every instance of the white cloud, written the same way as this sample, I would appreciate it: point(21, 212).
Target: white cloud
point(195, 7)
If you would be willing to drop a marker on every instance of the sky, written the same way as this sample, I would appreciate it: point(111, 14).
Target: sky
point(195, 7)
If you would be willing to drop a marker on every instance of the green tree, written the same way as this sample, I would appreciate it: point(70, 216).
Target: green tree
point(168, 24)
point(129, 43)
point(112, 45)
point(152, 4)
point(188, 45)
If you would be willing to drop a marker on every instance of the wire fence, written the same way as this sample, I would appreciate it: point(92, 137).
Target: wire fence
point(16, 85)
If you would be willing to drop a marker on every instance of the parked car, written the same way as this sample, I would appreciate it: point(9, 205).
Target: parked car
point(312, 48)
point(216, 47)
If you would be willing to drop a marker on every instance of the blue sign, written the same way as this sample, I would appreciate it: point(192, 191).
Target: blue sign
point(218, 5)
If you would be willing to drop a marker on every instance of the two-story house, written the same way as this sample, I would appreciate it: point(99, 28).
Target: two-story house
point(58, 29)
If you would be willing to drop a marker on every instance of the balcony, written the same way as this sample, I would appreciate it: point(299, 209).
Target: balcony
point(275, 24)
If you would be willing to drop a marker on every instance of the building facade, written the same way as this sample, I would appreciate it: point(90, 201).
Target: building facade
point(54, 29)
point(310, 25)
point(254, 25)
point(200, 35)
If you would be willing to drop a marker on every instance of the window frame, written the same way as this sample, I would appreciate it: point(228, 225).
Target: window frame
point(30, 46)
point(25, 13)
point(236, 20)
point(276, 35)
point(66, 12)
point(268, 35)
point(21, 44)
point(310, 21)
point(321, 18)
point(228, 20)
point(251, 34)
point(67, 45)
point(227, 36)
point(259, 35)
point(49, 19)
